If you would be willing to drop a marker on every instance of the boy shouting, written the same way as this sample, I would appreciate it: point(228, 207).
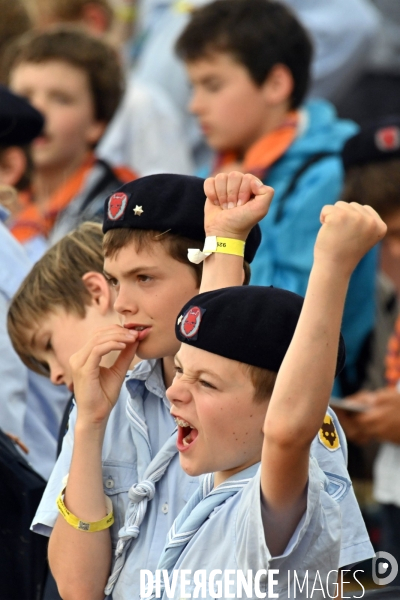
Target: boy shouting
point(252, 386)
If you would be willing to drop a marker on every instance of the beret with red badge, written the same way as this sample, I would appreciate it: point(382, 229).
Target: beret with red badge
point(165, 203)
point(250, 324)
point(20, 122)
point(376, 142)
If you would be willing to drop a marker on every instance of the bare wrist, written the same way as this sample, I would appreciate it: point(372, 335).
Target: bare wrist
point(227, 234)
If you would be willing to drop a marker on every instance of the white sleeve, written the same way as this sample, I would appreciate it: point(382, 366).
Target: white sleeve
point(47, 512)
point(146, 134)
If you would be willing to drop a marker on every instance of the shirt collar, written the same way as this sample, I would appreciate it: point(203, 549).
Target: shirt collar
point(150, 373)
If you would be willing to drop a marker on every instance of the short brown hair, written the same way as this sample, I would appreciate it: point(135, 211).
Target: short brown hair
point(14, 22)
point(263, 381)
point(55, 281)
point(175, 245)
point(72, 45)
point(376, 184)
point(256, 33)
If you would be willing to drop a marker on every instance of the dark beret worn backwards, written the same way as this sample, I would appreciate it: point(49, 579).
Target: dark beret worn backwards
point(250, 324)
point(377, 142)
point(20, 123)
point(165, 203)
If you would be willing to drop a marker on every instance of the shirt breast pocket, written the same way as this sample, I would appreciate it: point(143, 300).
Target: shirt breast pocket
point(337, 486)
point(117, 479)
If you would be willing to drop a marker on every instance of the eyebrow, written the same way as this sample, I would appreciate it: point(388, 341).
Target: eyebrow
point(131, 272)
point(201, 371)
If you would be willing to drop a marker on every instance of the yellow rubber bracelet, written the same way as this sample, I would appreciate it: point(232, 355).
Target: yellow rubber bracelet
point(72, 520)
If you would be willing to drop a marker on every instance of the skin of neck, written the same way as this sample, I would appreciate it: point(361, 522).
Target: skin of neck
point(275, 118)
point(168, 367)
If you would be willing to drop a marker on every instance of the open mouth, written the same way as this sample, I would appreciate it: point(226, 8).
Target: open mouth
point(187, 434)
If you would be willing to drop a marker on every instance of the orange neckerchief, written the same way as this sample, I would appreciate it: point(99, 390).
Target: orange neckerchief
point(33, 220)
point(392, 360)
point(265, 151)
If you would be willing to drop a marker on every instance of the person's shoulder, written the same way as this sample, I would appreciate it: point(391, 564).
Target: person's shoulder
point(321, 119)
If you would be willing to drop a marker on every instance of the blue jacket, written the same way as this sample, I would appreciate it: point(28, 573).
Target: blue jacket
point(285, 256)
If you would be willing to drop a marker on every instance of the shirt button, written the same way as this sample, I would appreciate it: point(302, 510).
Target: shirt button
point(164, 508)
point(109, 483)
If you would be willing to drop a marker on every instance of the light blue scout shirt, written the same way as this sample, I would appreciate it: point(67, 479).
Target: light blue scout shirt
point(126, 454)
point(31, 406)
point(232, 538)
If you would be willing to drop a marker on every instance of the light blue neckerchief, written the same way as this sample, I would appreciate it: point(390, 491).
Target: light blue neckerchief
point(140, 493)
point(196, 512)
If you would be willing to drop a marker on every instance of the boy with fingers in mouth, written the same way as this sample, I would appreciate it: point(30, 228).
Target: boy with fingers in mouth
point(150, 225)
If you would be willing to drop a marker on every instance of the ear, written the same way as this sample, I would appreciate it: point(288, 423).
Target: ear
point(95, 18)
point(13, 165)
point(95, 132)
point(99, 290)
point(279, 85)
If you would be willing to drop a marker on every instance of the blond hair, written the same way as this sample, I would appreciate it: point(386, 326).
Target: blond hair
point(55, 281)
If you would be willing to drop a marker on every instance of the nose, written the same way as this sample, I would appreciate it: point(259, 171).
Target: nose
point(195, 103)
point(124, 304)
point(57, 375)
point(39, 102)
point(179, 391)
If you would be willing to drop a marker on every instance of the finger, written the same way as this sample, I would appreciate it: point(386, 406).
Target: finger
point(221, 181)
point(326, 211)
point(98, 352)
point(261, 203)
point(126, 356)
point(245, 191)
point(17, 441)
point(210, 191)
point(118, 334)
point(233, 185)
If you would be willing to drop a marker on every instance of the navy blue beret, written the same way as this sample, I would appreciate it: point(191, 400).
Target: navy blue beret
point(173, 203)
point(20, 123)
point(250, 324)
point(378, 141)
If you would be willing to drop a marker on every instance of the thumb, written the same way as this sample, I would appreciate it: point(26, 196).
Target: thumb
point(261, 202)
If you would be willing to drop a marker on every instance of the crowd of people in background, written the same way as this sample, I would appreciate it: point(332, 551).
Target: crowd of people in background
point(96, 94)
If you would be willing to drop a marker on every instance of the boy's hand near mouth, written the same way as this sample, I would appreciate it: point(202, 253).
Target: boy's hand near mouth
point(97, 387)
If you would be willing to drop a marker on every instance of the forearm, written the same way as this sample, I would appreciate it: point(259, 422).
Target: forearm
point(305, 379)
point(80, 561)
point(220, 271)
point(298, 405)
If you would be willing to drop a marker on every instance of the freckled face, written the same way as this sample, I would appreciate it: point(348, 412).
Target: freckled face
point(215, 395)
